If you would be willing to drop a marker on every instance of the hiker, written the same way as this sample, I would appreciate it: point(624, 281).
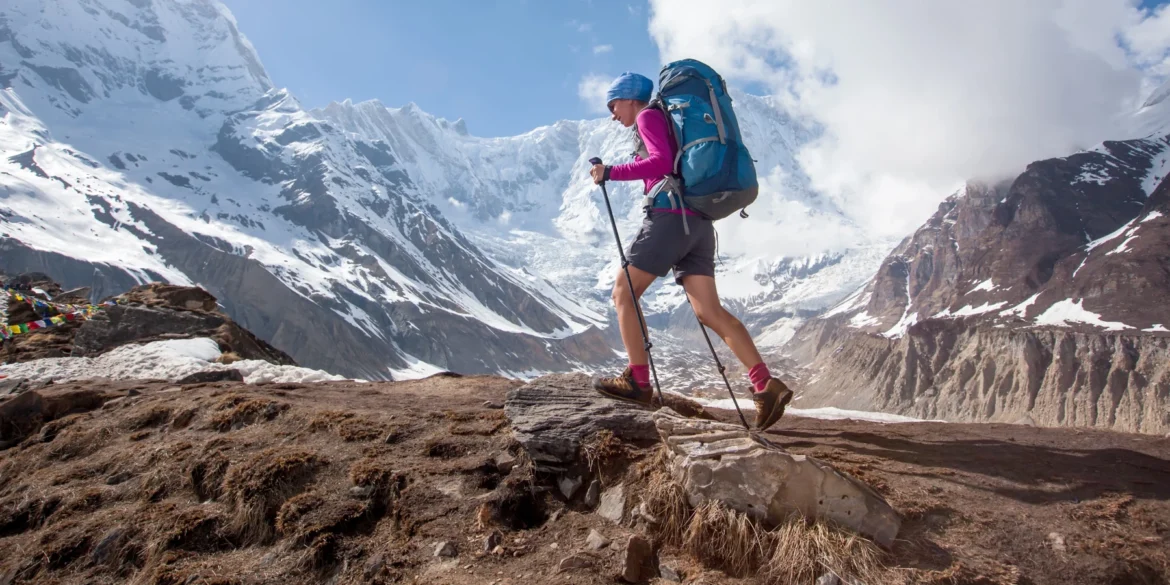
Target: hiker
point(663, 243)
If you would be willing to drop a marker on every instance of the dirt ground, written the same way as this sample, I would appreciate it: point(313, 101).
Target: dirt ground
point(343, 482)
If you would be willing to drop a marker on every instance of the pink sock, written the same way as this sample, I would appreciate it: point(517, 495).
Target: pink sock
point(641, 373)
point(760, 376)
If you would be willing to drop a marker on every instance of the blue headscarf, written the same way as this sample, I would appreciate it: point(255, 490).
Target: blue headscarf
point(630, 86)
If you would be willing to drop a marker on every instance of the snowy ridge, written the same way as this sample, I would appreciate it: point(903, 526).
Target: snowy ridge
point(167, 360)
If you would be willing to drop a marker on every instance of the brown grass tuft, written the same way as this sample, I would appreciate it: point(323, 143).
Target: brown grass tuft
point(184, 418)
point(230, 357)
point(74, 443)
point(601, 450)
point(257, 488)
point(153, 417)
point(207, 476)
point(238, 411)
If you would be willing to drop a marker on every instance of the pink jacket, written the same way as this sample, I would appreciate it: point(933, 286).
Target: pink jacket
point(652, 127)
point(662, 149)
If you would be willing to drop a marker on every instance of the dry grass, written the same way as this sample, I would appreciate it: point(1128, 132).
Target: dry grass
point(602, 451)
point(237, 411)
point(256, 489)
point(797, 551)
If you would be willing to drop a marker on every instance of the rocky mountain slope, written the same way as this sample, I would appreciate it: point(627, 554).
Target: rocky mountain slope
point(1042, 300)
point(144, 141)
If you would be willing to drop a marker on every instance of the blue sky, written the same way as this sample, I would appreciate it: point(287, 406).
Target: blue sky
point(506, 66)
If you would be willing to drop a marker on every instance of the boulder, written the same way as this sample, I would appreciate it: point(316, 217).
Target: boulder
point(748, 473)
point(553, 415)
point(212, 376)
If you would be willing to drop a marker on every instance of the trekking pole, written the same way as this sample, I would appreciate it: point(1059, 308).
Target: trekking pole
point(719, 364)
point(630, 282)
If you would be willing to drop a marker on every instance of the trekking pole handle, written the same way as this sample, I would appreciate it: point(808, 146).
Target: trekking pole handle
point(597, 161)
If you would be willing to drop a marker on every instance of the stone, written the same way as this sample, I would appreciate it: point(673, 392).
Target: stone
point(1056, 541)
point(569, 486)
point(828, 579)
point(670, 574)
point(374, 565)
point(208, 376)
point(119, 477)
point(596, 540)
point(491, 405)
point(492, 541)
point(574, 562)
point(553, 415)
point(446, 549)
point(613, 504)
point(133, 392)
point(361, 492)
point(105, 550)
point(11, 385)
point(505, 462)
point(640, 564)
point(593, 494)
point(748, 473)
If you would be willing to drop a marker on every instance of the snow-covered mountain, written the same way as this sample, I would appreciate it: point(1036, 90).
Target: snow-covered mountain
point(144, 141)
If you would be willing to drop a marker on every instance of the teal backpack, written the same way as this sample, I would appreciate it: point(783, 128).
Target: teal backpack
point(713, 170)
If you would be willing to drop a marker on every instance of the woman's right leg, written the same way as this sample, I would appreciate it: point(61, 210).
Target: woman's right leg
point(627, 312)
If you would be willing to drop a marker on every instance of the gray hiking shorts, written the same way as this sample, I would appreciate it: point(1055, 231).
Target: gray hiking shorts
point(661, 244)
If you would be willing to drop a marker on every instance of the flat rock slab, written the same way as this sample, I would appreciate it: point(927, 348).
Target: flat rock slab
point(722, 462)
point(553, 415)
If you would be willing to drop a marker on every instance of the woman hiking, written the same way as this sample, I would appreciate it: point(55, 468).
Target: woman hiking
point(663, 244)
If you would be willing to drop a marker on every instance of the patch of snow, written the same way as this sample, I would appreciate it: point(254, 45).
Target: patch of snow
point(1159, 170)
point(824, 413)
point(166, 360)
point(986, 285)
point(899, 329)
point(1021, 308)
point(414, 370)
point(1157, 328)
point(1152, 216)
point(1069, 311)
point(984, 308)
point(862, 319)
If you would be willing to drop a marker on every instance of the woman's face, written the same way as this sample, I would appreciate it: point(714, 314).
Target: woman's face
point(625, 111)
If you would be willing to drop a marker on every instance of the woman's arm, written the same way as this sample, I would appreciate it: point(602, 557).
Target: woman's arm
point(656, 135)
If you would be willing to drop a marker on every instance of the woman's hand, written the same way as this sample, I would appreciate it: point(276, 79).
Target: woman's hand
point(598, 174)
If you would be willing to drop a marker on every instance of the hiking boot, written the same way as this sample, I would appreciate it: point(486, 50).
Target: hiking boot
point(624, 388)
point(770, 403)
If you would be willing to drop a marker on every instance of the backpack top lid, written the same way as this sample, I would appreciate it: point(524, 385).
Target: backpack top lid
point(675, 73)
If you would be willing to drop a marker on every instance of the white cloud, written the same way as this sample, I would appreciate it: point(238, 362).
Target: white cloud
point(915, 97)
point(592, 90)
point(599, 49)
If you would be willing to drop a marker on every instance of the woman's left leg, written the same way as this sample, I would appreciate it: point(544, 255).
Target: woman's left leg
point(704, 297)
point(770, 395)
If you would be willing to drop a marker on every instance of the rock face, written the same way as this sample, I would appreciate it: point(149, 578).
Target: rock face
point(1044, 297)
point(721, 462)
point(553, 415)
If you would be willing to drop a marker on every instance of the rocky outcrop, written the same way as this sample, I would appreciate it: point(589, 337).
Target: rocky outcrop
point(145, 313)
point(554, 415)
point(746, 472)
point(962, 371)
point(1039, 300)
